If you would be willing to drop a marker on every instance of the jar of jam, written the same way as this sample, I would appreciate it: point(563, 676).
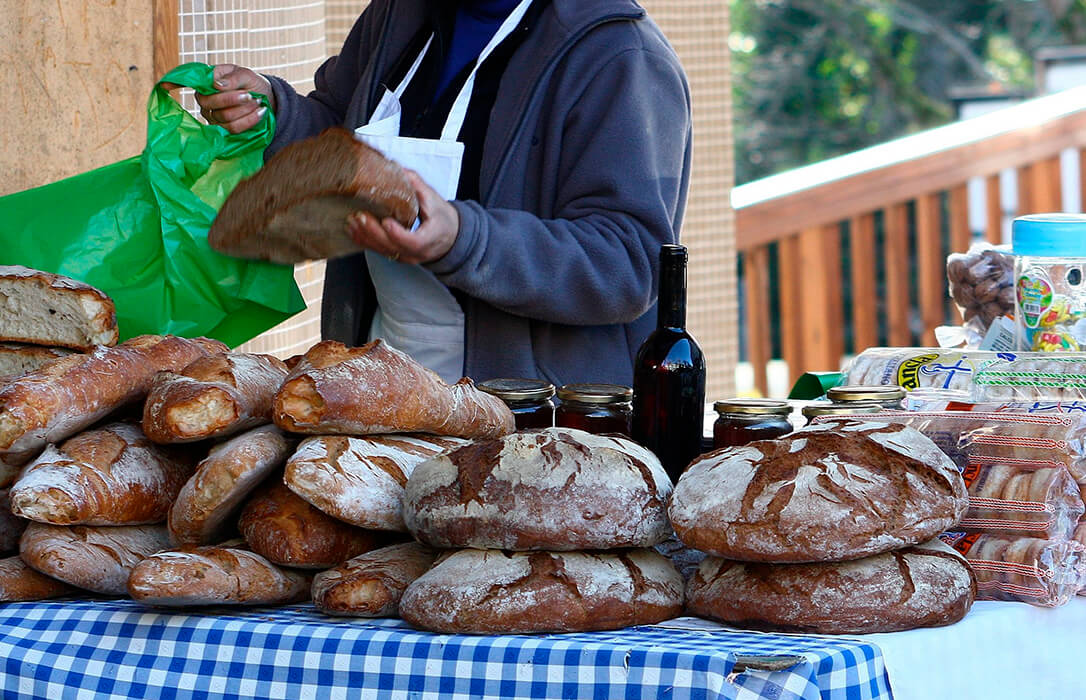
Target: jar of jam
point(530, 400)
point(740, 421)
point(838, 409)
point(595, 408)
point(889, 397)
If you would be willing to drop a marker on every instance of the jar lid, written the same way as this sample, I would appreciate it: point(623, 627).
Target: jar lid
point(851, 394)
point(596, 393)
point(1049, 235)
point(837, 409)
point(761, 407)
point(517, 389)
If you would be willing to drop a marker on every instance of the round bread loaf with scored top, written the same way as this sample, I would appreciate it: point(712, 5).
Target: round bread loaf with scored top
point(491, 592)
point(924, 586)
point(833, 491)
point(556, 489)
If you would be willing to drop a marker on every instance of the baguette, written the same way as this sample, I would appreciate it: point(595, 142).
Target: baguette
point(280, 526)
point(231, 471)
point(378, 389)
point(97, 559)
point(18, 582)
point(214, 576)
point(16, 359)
point(74, 392)
point(46, 309)
point(371, 584)
point(361, 480)
point(110, 476)
point(212, 397)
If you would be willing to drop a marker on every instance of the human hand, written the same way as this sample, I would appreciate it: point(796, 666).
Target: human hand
point(234, 108)
point(439, 223)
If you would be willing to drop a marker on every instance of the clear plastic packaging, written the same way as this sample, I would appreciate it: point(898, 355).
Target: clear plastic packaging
point(1050, 289)
point(1027, 569)
point(981, 284)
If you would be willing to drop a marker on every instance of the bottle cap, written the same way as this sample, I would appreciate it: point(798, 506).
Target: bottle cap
point(1050, 235)
point(852, 394)
point(761, 407)
point(837, 409)
point(596, 393)
point(517, 389)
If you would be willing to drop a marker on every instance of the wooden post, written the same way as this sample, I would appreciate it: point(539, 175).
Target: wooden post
point(756, 284)
point(823, 327)
point(865, 293)
point(931, 265)
point(896, 250)
point(791, 296)
point(167, 43)
point(993, 230)
point(960, 235)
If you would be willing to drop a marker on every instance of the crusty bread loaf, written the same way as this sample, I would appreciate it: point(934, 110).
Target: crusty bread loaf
point(46, 309)
point(72, 393)
point(111, 475)
point(17, 359)
point(378, 389)
point(554, 489)
point(214, 576)
point(296, 207)
point(833, 491)
point(361, 480)
point(371, 584)
point(201, 512)
point(97, 559)
point(18, 582)
point(923, 586)
point(11, 525)
point(475, 591)
point(214, 396)
point(279, 525)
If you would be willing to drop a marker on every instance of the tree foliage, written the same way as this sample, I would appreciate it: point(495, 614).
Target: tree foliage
point(818, 78)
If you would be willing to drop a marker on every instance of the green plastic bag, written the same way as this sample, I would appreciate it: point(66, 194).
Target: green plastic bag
point(137, 229)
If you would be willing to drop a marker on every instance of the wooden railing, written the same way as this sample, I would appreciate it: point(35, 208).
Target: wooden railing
point(856, 246)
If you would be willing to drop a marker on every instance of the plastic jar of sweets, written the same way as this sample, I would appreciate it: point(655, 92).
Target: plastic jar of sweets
point(530, 400)
point(740, 421)
point(1049, 285)
point(890, 397)
point(595, 408)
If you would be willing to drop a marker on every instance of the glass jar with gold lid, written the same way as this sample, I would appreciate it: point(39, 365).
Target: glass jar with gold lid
point(889, 397)
point(595, 408)
point(530, 400)
point(740, 421)
point(819, 409)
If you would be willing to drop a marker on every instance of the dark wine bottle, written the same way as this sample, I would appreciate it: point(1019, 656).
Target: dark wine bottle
point(669, 375)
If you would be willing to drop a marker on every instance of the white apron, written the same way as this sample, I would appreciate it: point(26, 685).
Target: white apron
point(416, 313)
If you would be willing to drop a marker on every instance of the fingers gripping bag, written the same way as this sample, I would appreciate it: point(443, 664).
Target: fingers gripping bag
point(137, 229)
point(1015, 467)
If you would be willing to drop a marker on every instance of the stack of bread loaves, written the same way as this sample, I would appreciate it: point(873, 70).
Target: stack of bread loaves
point(830, 529)
point(543, 531)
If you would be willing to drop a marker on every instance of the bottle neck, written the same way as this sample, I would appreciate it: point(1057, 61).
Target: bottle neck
point(671, 307)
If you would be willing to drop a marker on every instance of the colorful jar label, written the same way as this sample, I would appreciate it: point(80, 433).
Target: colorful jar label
point(1034, 296)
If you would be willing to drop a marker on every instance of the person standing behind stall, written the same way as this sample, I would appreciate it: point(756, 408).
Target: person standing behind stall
point(549, 173)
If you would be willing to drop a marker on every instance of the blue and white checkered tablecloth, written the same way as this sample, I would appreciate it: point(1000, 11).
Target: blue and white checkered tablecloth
point(119, 649)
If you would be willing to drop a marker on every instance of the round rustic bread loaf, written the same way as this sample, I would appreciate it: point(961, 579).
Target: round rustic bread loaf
point(476, 591)
point(833, 491)
point(924, 586)
point(555, 489)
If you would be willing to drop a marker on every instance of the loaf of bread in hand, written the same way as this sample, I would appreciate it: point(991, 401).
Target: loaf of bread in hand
point(833, 491)
point(97, 559)
point(371, 584)
point(18, 583)
point(16, 359)
point(111, 475)
point(361, 480)
point(214, 576)
point(74, 392)
point(557, 489)
point(212, 397)
point(927, 585)
point(202, 511)
point(378, 389)
point(296, 207)
point(46, 309)
point(475, 591)
point(279, 525)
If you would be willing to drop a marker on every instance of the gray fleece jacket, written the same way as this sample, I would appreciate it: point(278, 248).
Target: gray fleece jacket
point(585, 169)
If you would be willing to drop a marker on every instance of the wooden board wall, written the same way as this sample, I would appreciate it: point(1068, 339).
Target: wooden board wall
point(76, 78)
